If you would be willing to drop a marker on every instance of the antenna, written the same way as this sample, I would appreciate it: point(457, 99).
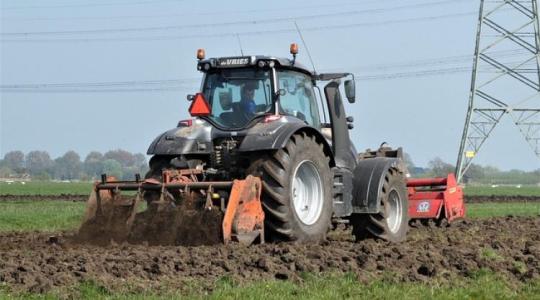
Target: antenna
point(240, 44)
point(305, 45)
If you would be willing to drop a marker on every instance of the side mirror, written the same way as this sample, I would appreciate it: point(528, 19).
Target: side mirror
point(350, 90)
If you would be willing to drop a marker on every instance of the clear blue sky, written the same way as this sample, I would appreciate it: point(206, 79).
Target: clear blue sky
point(424, 114)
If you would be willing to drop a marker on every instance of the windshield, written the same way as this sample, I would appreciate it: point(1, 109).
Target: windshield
point(237, 96)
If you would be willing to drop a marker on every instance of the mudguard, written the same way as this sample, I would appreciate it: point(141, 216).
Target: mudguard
point(368, 179)
point(273, 136)
point(197, 139)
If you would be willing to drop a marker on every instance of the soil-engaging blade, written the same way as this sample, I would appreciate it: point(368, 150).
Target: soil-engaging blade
point(160, 224)
point(178, 213)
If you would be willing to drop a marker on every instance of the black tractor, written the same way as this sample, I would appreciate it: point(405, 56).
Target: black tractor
point(267, 117)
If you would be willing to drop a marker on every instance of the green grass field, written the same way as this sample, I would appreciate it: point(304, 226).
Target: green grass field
point(40, 215)
point(486, 210)
point(502, 191)
point(45, 188)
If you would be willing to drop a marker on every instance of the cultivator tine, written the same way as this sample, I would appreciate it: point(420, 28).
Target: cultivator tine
point(94, 205)
point(165, 199)
point(99, 209)
point(91, 206)
point(208, 204)
point(134, 208)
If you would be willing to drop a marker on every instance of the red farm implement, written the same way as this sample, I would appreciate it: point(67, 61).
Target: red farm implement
point(435, 198)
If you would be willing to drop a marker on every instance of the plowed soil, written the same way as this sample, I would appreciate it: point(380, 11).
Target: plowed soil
point(511, 246)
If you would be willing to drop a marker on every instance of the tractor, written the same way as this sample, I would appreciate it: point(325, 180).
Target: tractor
point(268, 150)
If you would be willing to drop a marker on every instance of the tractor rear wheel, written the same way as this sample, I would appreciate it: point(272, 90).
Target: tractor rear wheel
point(391, 223)
point(297, 190)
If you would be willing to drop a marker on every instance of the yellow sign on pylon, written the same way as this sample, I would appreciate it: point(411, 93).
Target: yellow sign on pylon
point(469, 154)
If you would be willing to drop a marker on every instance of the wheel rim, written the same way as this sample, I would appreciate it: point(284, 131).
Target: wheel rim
point(393, 211)
point(307, 192)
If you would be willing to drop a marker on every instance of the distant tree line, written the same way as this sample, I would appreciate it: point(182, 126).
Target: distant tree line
point(476, 174)
point(39, 165)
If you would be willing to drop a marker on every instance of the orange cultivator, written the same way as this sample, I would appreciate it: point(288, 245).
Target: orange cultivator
point(435, 198)
point(181, 210)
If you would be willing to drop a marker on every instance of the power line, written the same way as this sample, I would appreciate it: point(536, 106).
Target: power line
point(85, 91)
point(89, 88)
point(433, 61)
point(249, 22)
point(265, 10)
point(424, 73)
point(95, 87)
point(87, 5)
point(247, 33)
point(96, 84)
point(358, 76)
point(176, 84)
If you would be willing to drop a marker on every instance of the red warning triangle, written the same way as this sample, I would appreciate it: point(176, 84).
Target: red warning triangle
point(199, 106)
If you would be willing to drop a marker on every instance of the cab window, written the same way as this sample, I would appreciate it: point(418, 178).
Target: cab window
point(297, 97)
point(237, 96)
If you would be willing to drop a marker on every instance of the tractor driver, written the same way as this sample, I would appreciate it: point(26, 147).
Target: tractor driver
point(247, 102)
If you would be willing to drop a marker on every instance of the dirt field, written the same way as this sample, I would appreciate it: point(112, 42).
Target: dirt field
point(509, 246)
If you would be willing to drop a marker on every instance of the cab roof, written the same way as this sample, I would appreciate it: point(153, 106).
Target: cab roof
point(205, 65)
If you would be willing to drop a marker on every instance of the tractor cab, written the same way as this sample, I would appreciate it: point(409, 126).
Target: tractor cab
point(243, 91)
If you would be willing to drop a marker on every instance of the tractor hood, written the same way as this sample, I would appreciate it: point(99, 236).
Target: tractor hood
point(199, 136)
point(193, 139)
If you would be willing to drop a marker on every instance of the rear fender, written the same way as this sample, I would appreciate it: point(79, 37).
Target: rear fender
point(368, 180)
point(275, 136)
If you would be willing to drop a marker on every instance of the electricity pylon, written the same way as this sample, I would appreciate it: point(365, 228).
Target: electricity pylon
point(505, 77)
